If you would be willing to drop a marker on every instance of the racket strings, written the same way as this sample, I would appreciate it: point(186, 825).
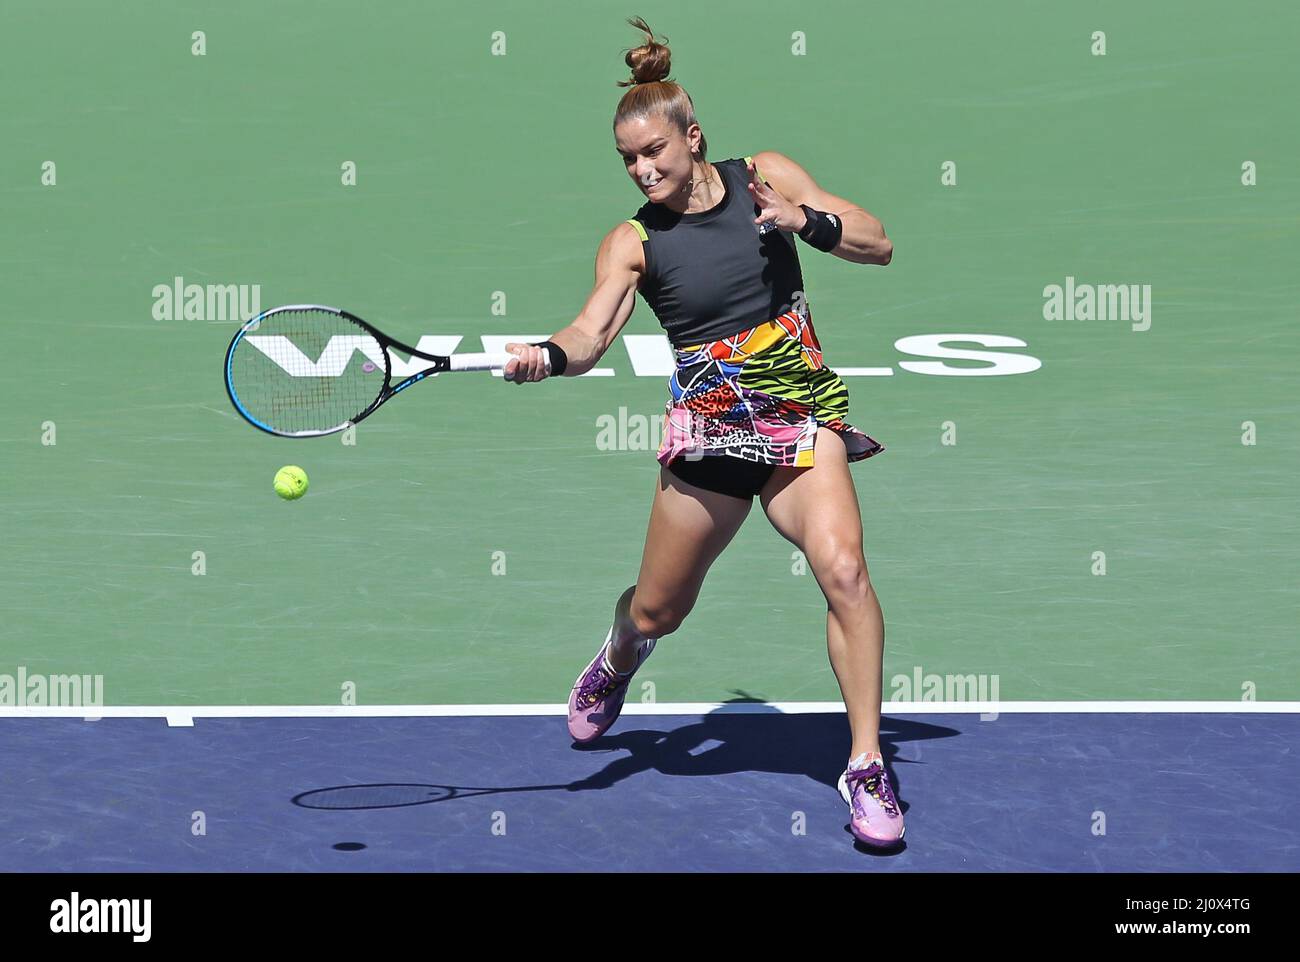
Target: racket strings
point(305, 371)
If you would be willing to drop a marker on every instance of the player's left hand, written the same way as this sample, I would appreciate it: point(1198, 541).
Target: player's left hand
point(774, 209)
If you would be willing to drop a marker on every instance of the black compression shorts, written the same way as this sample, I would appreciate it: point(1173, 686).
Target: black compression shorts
point(724, 474)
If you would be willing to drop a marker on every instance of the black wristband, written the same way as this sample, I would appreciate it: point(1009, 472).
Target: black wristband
point(559, 360)
point(823, 231)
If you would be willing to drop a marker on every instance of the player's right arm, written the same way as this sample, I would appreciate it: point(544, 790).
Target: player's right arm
point(619, 265)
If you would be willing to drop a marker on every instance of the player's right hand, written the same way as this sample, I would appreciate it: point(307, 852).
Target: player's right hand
point(530, 363)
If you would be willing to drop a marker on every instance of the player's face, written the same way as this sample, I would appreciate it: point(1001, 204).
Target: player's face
point(657, 156)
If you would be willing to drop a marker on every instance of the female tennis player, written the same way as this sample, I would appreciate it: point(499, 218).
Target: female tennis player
point(753, 410)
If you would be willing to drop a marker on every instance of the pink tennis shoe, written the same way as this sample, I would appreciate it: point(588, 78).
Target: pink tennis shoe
point(597, 696)
point(874, 816)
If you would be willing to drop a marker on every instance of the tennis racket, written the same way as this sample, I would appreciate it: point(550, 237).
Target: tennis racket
point(305, 370)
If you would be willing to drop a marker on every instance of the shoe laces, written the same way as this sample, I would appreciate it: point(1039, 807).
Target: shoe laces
point(597, 684)
point(875, 781)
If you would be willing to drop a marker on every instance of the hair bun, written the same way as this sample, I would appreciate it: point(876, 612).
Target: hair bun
point(650, 62)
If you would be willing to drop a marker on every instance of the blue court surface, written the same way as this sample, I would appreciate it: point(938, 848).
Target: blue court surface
point(741, 788)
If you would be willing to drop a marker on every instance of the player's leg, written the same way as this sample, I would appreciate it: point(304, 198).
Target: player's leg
point(689, 527)
point(816, 509)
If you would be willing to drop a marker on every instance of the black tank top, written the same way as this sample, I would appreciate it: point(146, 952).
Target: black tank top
point(710, 274)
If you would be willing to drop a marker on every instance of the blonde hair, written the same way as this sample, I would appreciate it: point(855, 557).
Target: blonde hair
point(651, 93)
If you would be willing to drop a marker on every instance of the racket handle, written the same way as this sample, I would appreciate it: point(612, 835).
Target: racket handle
point(487, 362)
point(479, 362)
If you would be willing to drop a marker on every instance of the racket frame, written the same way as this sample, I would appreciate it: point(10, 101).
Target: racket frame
point(438, 364)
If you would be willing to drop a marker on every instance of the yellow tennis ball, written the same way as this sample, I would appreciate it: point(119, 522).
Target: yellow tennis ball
point(291, 482)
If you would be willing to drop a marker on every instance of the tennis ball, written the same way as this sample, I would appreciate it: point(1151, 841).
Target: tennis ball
point(291, 482)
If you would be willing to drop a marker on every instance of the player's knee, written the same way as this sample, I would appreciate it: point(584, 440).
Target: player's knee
point(844, 577)
point(655, 621)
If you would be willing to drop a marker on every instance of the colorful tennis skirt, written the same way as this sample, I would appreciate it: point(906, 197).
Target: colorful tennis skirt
point(759, 395)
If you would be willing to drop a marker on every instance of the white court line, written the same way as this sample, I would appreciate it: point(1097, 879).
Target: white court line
point(864, 371)
point(184, 715)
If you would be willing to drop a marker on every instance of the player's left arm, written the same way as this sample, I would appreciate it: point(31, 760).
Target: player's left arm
point(863, 240)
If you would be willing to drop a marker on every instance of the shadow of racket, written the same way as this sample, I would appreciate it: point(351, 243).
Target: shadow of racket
point(400, 795)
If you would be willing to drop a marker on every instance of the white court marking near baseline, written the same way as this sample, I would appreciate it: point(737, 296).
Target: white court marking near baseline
point(183, 716)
